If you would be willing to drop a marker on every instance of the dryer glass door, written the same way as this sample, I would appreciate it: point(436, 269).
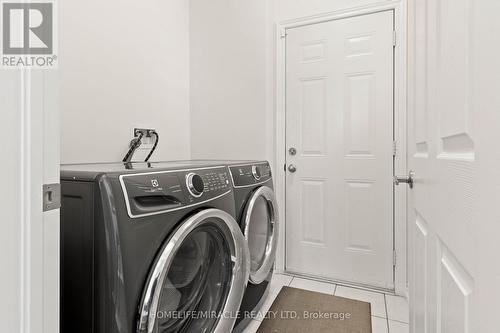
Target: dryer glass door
point(261, 232)
point(199, 278)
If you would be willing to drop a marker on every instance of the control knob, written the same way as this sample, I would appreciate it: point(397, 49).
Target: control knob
point(195, 184)
point(256, 172)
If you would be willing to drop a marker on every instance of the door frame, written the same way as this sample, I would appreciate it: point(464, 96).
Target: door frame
point(32, 295)
point(400, 125)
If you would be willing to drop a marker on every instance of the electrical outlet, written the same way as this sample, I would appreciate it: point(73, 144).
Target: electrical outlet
point(147, 140)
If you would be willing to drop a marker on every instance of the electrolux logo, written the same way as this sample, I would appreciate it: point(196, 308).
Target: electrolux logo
point(29, 34)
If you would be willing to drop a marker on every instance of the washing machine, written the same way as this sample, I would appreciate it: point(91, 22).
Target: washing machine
point(150, 248)
point(257, 215)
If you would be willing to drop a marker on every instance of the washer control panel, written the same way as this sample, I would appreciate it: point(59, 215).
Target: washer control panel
point(216, 180)
point(250, 174)
point(157, 192)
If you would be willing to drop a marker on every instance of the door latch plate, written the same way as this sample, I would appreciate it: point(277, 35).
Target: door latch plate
point(51, 197)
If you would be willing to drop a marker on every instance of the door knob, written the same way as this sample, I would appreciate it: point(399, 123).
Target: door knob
point(292, 151)
point(292, 168)
point(405, 179)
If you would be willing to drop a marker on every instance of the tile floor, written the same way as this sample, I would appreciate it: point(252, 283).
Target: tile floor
point(389, 313)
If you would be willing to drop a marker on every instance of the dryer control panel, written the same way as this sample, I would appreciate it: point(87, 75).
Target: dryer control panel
point(250, 174)
point(163, 191)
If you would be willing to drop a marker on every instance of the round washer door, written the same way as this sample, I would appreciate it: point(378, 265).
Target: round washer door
point(199, 278)
point(261, 232)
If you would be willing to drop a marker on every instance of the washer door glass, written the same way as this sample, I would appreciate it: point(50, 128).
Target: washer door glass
point(261, 232)
point(198, 281)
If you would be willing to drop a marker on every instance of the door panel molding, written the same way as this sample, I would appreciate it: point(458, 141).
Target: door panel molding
point(454, 290)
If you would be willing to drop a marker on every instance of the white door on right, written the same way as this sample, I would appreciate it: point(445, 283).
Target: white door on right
point(339, 120)
point(454, 224)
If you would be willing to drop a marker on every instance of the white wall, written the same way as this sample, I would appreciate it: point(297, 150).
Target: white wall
point(291, 9)
point(210, 65)
point(228, 78)
point(123, 63)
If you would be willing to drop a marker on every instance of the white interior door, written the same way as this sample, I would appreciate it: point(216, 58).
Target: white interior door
point(339, 118)
point(453, 148)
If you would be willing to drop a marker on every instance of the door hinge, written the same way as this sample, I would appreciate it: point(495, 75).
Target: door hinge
point(51, 197)
point(394, 148)
point(394, 38)
point(283, 34)
point(394, 258)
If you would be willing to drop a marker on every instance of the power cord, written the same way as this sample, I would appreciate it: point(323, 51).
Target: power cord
point(134, 144)
point(157, 138)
